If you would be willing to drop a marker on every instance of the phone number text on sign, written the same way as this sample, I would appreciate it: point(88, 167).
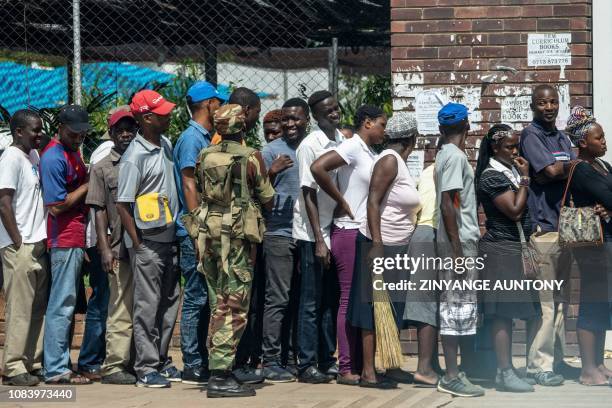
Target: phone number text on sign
point(549, 49)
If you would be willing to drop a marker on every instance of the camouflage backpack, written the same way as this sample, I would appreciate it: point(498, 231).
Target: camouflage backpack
point(228, 210)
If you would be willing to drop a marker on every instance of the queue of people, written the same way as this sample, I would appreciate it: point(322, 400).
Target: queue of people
point(274, 248)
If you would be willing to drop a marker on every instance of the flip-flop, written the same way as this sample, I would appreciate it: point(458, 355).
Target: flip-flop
point(423, 384)
point(383, 384)
point(71, 379)
point(606, 384)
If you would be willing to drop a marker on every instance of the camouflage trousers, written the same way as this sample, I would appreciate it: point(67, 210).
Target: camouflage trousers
point(229, 296)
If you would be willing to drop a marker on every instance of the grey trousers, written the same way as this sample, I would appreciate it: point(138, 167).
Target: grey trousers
point(280, 254)
point(156, 303)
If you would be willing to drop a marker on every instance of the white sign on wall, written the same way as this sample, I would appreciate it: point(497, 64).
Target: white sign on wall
point(549, 49)
point(415, 163)
point(516, 109)
point(564, 106)
point(427, 105)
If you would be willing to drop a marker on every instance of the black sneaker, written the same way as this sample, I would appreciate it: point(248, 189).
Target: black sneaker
point(39, 373)
point(457, 387)
point(153, 380)
point(195, 376)
point(171, 374)
point(248, 375)
point(276, 374)
point(224, 385)
point(548, 379)
point(119, 378)
point(292, 368)
point(331, 372)
point(313, 376)
point(21, 380)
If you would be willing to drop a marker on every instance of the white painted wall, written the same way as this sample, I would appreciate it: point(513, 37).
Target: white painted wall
point(602, 80)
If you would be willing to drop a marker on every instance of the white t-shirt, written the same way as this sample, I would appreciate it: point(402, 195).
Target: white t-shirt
point(91, 237)
point(354, 179)
point(311, 148)
point(20, 173)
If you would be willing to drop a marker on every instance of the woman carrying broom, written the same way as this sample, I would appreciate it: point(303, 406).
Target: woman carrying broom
point(393, 205)
point(353, 160)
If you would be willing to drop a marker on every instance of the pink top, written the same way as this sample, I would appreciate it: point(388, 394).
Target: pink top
point(399, 208)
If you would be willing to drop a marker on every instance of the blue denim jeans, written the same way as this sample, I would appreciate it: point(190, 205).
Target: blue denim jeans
point(195, 313)
point(316, 328)
point(65, 274)
point(93, 347)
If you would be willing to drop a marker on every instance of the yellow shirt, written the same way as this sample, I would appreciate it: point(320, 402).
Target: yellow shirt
point(427, 193)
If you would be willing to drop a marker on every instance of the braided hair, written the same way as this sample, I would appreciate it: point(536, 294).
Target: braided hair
point(578, 124)
point(495, 135)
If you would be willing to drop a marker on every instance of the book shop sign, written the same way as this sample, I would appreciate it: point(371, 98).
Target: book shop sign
point(549, 49)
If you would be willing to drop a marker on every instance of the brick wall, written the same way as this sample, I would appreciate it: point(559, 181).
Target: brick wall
point(458, 47)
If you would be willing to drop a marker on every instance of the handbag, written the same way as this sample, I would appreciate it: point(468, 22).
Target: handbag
point(579, 226)
point(528, 256)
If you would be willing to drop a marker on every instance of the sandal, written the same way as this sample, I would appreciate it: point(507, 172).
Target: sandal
point(425, 384)
point(382, 384)
point(340, 379)
point(70, 379)
point(605, 384)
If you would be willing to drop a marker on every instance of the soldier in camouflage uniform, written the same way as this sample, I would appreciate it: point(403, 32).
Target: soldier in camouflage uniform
point(233, 184)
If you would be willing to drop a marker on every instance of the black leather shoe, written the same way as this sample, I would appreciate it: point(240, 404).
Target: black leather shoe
point(224, 385)
point(313, 376)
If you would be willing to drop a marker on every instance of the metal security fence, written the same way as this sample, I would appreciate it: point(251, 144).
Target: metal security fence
point(100, 52)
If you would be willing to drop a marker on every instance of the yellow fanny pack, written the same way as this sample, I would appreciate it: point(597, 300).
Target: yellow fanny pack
point(152, 211)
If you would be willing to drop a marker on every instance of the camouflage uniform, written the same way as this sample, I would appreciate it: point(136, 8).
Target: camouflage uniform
point(227, 234)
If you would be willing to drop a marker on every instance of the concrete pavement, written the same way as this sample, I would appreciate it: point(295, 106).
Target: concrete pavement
point(297, 395)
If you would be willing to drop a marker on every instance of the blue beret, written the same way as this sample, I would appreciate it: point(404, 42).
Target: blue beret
point(452, 113)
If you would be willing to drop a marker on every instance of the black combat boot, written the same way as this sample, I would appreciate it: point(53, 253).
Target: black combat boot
point(222, 384)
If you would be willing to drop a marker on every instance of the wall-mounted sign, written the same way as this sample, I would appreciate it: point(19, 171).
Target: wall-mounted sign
point(549, 49)
point(415, 163)
point(427, 105)
point(516, 109)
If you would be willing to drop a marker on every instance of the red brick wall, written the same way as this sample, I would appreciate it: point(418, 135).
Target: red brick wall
point(457, 44)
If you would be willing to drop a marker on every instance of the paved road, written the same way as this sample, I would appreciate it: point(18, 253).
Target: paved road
point(297, 395)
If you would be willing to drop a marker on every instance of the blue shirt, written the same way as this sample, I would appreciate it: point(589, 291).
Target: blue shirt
point(287, 186)
point(541, 148)
point(186, 151)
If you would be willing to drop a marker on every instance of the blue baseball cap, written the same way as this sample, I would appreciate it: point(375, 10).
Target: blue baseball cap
point(202, 90)
point(452, 113)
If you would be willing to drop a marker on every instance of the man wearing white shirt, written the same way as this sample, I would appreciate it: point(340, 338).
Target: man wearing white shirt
point(23, 250)
point(312, 219)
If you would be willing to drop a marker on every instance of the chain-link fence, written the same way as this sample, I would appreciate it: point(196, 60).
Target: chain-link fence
point(278, 48)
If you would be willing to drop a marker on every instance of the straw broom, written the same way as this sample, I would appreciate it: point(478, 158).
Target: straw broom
point(388, 347)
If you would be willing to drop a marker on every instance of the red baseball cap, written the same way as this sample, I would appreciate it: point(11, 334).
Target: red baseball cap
point(117, 116)
point(150, 101)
